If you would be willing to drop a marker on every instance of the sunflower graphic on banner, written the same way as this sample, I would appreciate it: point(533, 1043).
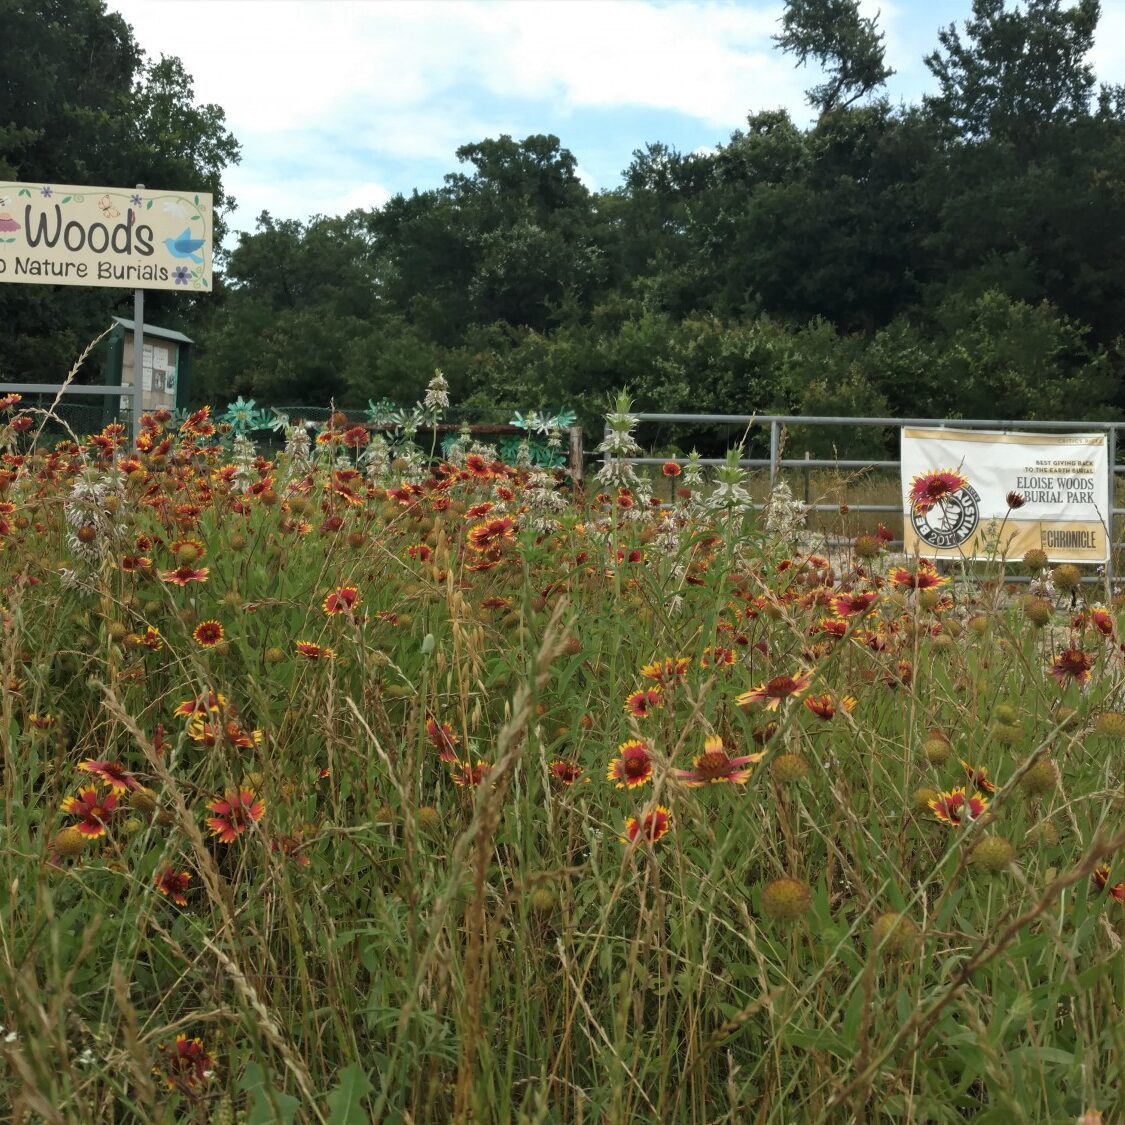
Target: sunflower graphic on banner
point(977, 494)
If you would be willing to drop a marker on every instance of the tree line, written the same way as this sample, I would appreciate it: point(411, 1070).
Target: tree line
point(956, 257)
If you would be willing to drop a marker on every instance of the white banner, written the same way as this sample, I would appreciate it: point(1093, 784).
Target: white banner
point(957, 487)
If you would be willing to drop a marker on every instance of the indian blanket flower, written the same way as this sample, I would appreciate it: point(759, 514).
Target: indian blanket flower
point(1102, 620)
point(492, 534)
point(956, 807)
point(208, 634)
point(771, 693)
point(113, 774)
point(633, 765)
point(186, 1066)
point(977, 777)
point(832, 627)
point(667, 671)
point(311, 651)
point(1072, 665)
point(649, 827)
point(173, 884)
point(671, 469)
point(716, 767)
point(852, 605)
point(182, 575)
point(211, 703)
point(234, 812)
point(1100, 876)
point(443, 740)
point(343, 599)
point(93, 810)
point(641, 703)
point(825, 706)
point(928, 489)
point(467, 774)
point(565, 771)
point(922, 577)
point(717, 657)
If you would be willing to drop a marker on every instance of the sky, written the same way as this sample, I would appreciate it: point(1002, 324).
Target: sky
point(344, 103)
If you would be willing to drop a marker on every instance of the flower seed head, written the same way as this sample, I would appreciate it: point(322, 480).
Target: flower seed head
point(786, 900)
point(69, 842)
point(1041, 779)
point(937, 751)
point(894, 936)
point(1111, 724)
point(789, 768)
point(1067, 576)
point(993, 853)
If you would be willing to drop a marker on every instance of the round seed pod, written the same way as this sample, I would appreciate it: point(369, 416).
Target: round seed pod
point(993, 853)
point(789, 768)
point(786, 900)
point(1041, 779)
point(895, 936)
point(69, 842)
point(1067, 577)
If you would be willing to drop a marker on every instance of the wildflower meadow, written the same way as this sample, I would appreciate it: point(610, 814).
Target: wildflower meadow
point(360, 780)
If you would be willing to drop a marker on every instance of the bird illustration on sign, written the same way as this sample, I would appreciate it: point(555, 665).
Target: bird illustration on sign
point(185, 246)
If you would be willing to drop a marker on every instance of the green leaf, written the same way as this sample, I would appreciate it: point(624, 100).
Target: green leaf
point(194, 217)
point(66, 198)
point(345, 1102)
point(148, 205)
point(267, 1105)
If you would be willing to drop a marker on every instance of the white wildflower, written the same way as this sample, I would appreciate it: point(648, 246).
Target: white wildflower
point(784, 515)
point(437, 394)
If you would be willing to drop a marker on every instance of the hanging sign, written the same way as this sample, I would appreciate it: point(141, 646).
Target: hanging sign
point(962, 493)
point(125, 238)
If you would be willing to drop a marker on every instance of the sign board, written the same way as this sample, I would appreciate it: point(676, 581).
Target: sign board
point(1063, 479)
point(125, 238)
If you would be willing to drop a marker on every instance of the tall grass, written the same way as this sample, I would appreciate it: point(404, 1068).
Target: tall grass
point(387, 944)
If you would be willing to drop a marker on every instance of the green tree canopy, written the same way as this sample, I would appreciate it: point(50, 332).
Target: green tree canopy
point(79, 103)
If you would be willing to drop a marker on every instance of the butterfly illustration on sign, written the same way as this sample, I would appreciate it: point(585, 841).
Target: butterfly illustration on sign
point(185, 246)
point(105, 205)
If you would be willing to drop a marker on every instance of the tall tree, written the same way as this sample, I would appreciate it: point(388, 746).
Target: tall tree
point(847, 45)
point(79, 104)
point(1017, 71)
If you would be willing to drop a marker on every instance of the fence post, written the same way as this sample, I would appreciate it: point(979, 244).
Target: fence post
point(808, 456)
point(577, 460)
point(775, 437)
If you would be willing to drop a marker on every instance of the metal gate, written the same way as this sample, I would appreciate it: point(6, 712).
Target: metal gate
point(775, 462)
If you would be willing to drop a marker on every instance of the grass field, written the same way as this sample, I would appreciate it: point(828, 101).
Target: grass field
point(350, 787)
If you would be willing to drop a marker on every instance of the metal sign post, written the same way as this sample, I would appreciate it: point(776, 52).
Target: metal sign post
point(138, 356)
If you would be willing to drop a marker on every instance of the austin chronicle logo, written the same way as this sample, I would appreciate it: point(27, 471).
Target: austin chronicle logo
point(951, 521)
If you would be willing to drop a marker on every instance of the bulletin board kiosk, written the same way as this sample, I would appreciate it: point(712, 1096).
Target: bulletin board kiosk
point(165, 366)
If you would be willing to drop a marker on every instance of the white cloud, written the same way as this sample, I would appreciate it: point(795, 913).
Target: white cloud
point(325, 96)
point(338, 101)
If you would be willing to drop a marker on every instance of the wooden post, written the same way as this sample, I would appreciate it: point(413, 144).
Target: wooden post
point(577, 458)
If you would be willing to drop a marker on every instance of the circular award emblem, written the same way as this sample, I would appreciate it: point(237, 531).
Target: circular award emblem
point(950, 522)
